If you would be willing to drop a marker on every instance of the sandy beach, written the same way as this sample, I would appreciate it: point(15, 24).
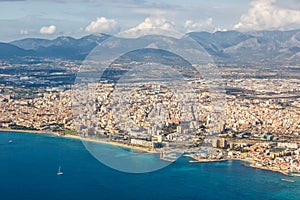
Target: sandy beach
point(148, 150)
point(29, 131)
point(59, 134)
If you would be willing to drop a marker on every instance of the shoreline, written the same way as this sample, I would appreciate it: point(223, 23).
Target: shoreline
point(252, 163)
point(147, 150)
point(59, 134)
point(30, 131)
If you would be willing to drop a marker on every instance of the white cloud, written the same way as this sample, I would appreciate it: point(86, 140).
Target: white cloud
point(191, 26)
point(103, 25)
point(155, 22)
point(151, 25)
point(24, 32)
point(265, 14)
point(48, 29)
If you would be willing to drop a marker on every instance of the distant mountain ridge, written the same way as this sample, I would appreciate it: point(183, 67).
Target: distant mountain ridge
point(228, 46)
point(62, 47)
point(258, 46)
point(9, 51)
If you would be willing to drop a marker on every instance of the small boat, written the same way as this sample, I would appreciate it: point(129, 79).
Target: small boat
point(288, 180)
point(295, 175)
point(10, 141)
point(59, 172)
point(194, 161)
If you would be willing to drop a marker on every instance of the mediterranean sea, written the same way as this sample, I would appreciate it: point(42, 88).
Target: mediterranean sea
point(29, 164)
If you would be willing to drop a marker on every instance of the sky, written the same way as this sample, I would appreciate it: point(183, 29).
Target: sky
point(76, 18)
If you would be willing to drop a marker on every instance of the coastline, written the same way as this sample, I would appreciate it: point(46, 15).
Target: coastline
point(147, 150)
point(59, 134)
point(252, 163)
point(29, 131)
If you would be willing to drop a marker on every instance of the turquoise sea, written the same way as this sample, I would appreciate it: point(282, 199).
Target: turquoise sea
point(29, 164)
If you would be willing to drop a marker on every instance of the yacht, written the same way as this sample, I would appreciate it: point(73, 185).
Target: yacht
point(59, 172)
point(288, 180)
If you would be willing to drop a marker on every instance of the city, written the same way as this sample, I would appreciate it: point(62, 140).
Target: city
point(262, 123)
point(144, 99)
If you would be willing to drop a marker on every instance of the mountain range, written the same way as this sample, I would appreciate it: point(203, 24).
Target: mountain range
point(280, 47)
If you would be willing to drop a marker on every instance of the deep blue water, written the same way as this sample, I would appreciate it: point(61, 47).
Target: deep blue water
point(28, 169)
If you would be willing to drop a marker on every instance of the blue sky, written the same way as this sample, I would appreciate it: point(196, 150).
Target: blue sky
point(49, 19)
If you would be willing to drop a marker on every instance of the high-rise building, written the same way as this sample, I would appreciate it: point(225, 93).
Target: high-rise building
point(223, 143)
point(215, 143)
point(179, 129)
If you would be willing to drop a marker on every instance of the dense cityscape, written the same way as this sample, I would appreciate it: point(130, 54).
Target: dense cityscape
point(262, 123)
point(143, 99)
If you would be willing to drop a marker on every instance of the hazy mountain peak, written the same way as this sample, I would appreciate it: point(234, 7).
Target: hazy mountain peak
point(224, 46)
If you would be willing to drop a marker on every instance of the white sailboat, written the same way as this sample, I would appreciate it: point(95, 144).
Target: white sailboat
point(59, 172)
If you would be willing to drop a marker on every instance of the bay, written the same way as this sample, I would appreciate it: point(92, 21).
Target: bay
point(28, 167)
